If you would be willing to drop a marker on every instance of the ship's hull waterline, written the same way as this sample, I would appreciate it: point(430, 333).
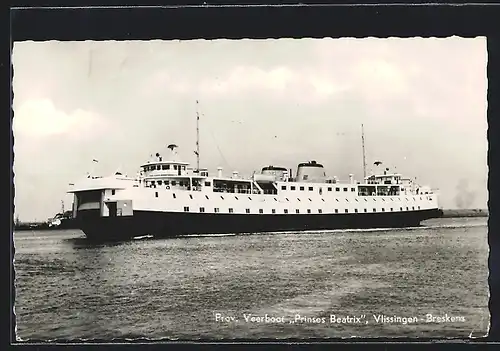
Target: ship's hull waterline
point(174, 224)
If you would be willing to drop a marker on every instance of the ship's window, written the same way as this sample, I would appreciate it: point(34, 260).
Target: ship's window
point(355, 210)
point(310, 200)
point(207, 197)
point(292, 188)
point(286, 199)
point(261, 210)
point(247, 210)
point(346, 200)
point(353, 189)
point(310, 188)
point(430, 198)
point(383, 200)
point(285, 210)
point(413, 207)
point(168, 166)
point(320, 211)
point(283, 187)
point(273, 211)
point(166, 182)
point(175, 167)
point(346, 210)
point(337, 189)
point(406, 198)
point(420, 197)
point(164, 167)
point(401, 209)
point(275, 199)
point(365, 210)
point(207, 183)
point(202, 209)
point(392, 199)
point(298, 199)
point(301, 188)
point(391, 209)
point(383, 209)
point(375, 200)
point(160, 182)
point(191, 196)
point(413, 199)
point(158, 167)
point(174, 182)
point(249, 198)
point(337, 200)
point(366, 200)
point(308, 210)
point(407, 209)
point(230, 210)
point(356, 200)
point(186, 209)
point(419, 207)
point(374, 210)
point(216, 210)
point(323, 200)
point(345, 189)
point(183, 168)
point(297, 211)
point(153, 182)
point(156, 194)
point(113, 192)
point(236, 197)
point(172, 195)
point(305, 176)
point(336, 211)
point(222, 197)
point(329, 189)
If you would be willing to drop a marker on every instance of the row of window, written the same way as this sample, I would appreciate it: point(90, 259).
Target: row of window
point(164, 167)
point(173, 182)
point(275, 199)
point(216, 210)
point(293, 187)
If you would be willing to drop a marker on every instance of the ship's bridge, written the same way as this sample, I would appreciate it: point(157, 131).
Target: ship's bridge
point(386, 178)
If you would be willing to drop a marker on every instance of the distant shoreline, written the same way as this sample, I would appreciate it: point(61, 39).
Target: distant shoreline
point(449, 213)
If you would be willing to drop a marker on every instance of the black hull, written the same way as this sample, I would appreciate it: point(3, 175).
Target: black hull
point(170, 224)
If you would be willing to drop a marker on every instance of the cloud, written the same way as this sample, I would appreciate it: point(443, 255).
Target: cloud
point(40, 118)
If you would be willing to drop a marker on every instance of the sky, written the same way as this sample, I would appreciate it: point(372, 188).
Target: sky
point(422, 102)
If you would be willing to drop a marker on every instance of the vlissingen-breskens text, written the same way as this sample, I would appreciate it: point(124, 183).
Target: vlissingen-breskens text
point(430, 318)
point(382, 318)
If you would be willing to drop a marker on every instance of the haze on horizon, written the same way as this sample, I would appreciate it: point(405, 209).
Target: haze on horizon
point(262, 102)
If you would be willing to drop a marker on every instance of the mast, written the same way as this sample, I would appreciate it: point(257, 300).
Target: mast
point(363, 144)
point(62, 206)
point(197, 138)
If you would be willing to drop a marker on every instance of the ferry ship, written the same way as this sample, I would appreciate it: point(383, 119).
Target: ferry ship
point(169, 198)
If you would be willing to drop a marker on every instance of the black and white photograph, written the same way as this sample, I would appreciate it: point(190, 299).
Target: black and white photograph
point(250, 189)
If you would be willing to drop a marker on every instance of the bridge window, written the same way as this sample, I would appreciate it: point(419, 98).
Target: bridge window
point(273, 211)
point(230, 210)
point(301, 188)
point(113, 192)
point(285, 210)
point(320, 211)
point(158, 167)
point(202, 209)
point(297, 211)
point(164, 167)
point(308, 211)
point(216, 210)
point(261, 210)
point(283, 187)
point(186, 209)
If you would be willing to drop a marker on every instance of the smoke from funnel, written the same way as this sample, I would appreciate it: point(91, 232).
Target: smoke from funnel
point(464, 197)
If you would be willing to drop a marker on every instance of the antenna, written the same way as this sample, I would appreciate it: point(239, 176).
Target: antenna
point(197, 138)
point(363, 144)
point(62, 206)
